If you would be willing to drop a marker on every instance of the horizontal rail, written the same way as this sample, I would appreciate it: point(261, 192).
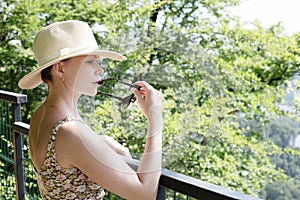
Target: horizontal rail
point(199, 189)
point(21, 127)
point(13, 97)
point(194, 187)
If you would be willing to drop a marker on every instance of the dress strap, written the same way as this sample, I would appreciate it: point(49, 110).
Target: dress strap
point(56, 128)
point(64, 120)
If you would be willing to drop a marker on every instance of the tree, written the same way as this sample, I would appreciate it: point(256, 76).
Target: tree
point(282, 190)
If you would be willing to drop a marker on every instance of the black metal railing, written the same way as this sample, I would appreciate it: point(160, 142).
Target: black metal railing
point(172, 185)
point(8, 117)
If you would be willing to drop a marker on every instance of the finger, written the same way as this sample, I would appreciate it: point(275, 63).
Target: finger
point(143, 84)
point(146, 87)
point(137, 94)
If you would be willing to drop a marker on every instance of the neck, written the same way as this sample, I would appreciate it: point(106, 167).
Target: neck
point(63, 101)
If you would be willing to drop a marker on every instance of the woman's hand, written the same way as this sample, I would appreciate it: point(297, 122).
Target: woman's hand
point(149, 99)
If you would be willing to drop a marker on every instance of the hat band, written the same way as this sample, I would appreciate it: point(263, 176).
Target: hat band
point(63, 53)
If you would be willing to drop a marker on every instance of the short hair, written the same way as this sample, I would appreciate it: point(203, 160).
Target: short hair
point(46, 74)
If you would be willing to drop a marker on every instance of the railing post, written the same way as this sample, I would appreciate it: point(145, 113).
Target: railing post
point(18, 154)
point(161, 193)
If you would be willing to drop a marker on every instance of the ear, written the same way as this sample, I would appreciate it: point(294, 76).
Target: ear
point(58, 69)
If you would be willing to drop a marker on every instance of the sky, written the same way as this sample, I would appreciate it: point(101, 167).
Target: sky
point(270, 12)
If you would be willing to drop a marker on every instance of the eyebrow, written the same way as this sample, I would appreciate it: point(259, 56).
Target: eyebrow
point(90, 56)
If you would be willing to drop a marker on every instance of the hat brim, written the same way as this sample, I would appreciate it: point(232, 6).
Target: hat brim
point(34, 79)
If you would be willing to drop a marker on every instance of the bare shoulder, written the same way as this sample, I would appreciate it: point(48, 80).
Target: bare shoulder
point(74, 130)
point(36, 117)
point(72, 133)
point(72, 138)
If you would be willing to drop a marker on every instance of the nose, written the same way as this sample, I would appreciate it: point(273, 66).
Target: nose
point(99, 69)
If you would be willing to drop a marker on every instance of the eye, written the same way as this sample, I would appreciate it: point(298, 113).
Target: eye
point(90, 61)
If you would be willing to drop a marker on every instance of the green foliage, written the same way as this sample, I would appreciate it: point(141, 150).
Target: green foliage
point(281, 190)
point(283, 131)
point(289, 163)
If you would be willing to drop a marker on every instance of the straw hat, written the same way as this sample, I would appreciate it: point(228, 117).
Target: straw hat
point(60, 41)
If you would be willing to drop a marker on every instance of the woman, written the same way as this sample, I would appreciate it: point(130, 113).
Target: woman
point(70, 159)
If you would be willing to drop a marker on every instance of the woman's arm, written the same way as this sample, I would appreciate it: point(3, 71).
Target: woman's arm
point(149, 170)
point(116, 146)
point(78, 145)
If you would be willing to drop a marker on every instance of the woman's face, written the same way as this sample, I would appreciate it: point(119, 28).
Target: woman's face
point(83, 73)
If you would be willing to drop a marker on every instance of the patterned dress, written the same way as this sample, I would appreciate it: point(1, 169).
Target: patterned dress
point(56, 182)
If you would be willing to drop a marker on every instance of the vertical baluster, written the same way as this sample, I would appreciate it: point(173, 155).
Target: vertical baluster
point(161, 193)
point(18, 154)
